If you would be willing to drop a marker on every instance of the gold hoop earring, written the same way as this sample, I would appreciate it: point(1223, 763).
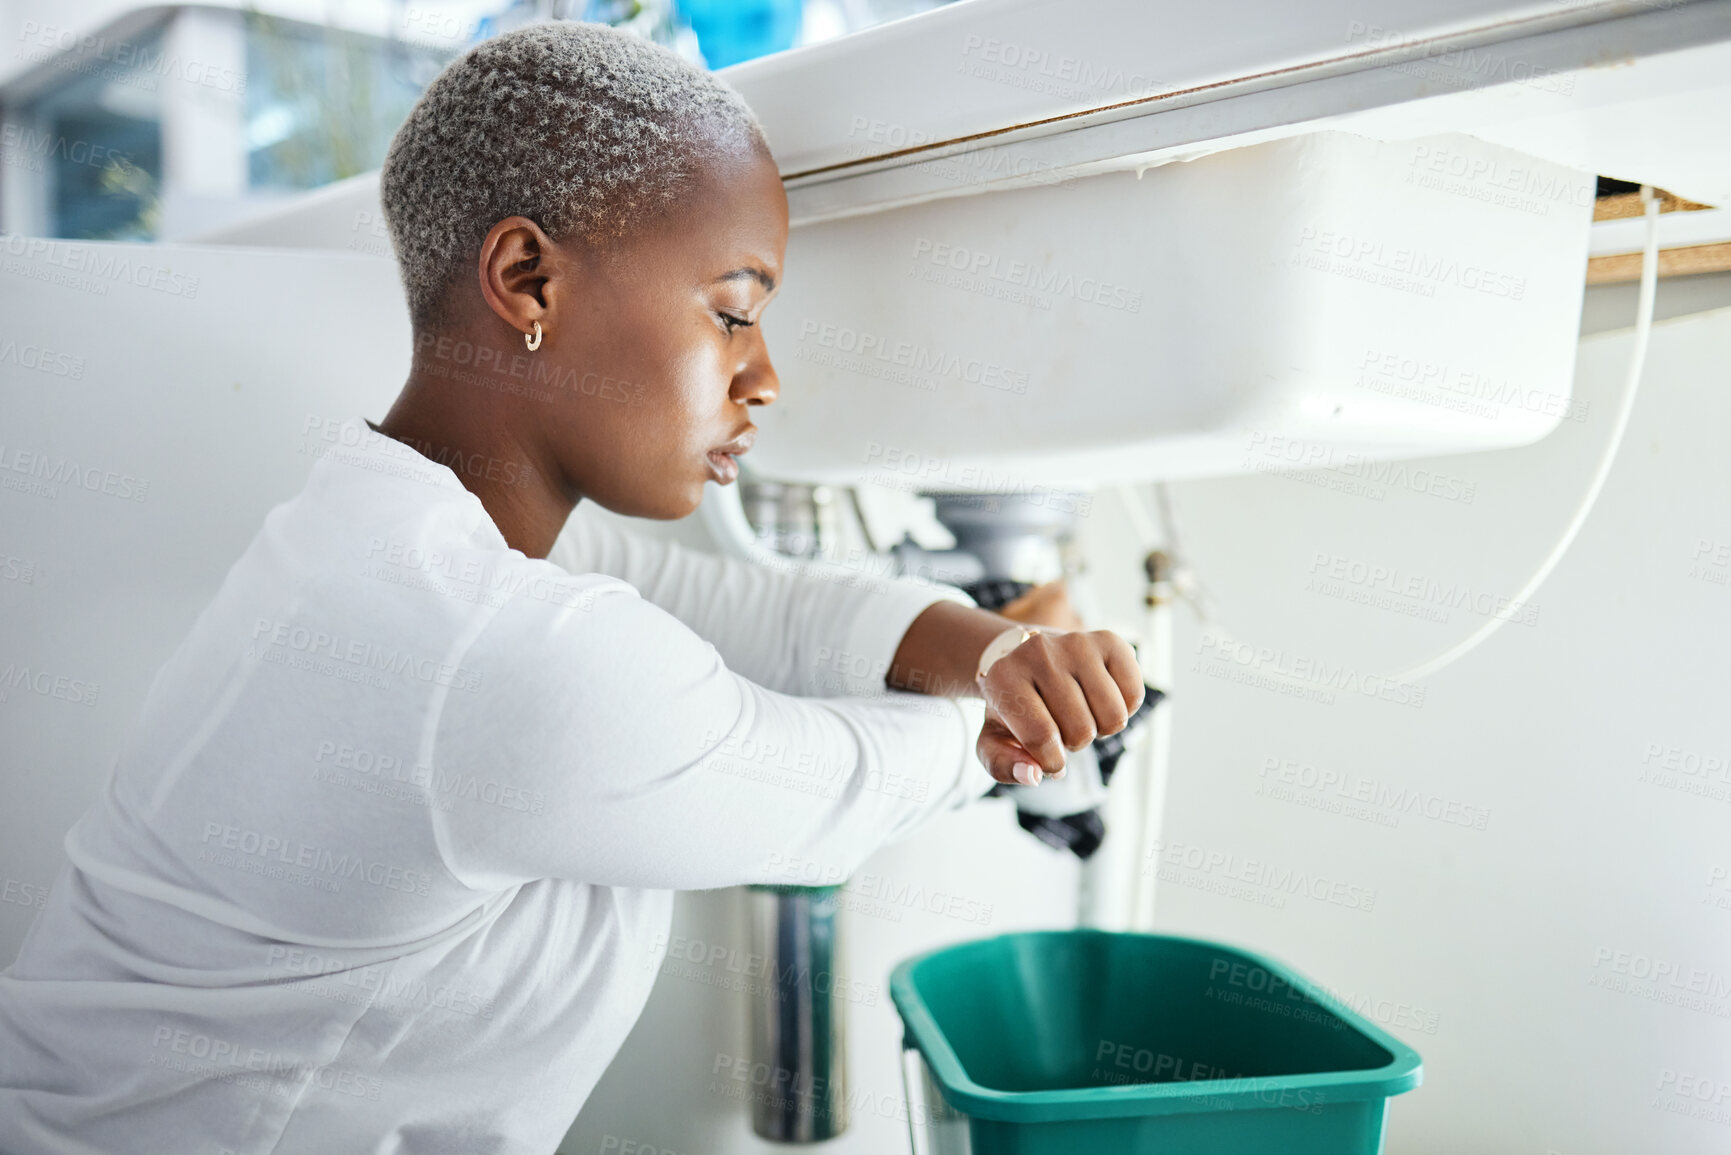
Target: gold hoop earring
point(534, 342)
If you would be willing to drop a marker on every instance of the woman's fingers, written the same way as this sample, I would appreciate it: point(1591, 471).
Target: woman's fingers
point(1058, 692)
point(1024, 713)
point(1000, 754)
point(1126, 672)
point(1068, 704)
point(1105, 699)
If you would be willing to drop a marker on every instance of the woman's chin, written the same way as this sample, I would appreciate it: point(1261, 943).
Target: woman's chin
point(672, 506)
point(691, 505)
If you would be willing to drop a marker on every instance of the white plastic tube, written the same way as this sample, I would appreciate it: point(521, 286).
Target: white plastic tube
point(1118, 882)
point(1156, 755)
point(1637, 362)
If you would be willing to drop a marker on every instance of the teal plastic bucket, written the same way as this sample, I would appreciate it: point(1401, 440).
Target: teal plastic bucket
point(1061, 1042)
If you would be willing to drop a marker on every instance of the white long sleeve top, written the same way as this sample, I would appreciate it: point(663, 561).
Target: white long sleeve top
point(387, 863)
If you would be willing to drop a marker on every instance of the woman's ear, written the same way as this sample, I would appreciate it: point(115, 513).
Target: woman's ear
point(517, 264)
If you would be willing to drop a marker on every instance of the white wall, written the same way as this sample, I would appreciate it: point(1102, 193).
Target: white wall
point(178, 384)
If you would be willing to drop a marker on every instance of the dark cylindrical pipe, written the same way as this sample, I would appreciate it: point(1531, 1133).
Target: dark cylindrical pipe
point(798, 1028)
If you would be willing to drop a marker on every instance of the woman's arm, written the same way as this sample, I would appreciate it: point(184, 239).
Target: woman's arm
point(627, 753)
point(808, 630)
point(940, 651)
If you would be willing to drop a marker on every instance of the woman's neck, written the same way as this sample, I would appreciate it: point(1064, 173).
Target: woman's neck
point(517, 483)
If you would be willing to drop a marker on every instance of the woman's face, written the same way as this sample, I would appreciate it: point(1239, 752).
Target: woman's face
point(657, 344)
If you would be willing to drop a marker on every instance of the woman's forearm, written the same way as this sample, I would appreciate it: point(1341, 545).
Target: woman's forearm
point(941, 651)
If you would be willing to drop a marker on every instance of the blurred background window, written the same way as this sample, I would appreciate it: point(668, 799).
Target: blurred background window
point(82, 157)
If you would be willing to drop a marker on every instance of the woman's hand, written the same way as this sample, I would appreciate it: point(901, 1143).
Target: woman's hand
point(1054, 692)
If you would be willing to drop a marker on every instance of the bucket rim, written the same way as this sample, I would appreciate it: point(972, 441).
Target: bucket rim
point(1306, 1093)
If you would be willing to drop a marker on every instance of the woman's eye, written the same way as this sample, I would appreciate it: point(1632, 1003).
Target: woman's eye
point(731, 322)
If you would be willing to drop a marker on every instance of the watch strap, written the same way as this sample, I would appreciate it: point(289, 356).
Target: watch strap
point(1001, 645)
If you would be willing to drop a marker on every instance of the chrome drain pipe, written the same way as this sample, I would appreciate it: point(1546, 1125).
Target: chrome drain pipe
point(799, 1019)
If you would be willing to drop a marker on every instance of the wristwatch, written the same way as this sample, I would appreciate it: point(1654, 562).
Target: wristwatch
point(1003, 644)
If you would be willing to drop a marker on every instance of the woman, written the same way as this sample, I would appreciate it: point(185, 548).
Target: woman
point(387, 859)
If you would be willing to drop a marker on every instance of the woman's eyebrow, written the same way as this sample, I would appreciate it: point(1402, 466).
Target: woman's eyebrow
point(763, 278)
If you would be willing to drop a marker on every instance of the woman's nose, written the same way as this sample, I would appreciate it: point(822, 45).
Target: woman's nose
point(756, 383)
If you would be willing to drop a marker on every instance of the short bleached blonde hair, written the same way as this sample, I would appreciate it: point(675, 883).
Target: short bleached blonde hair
point(582, 128)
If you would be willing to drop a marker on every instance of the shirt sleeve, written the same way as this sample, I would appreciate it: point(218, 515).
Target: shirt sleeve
point(621, 750)
point(803, 627)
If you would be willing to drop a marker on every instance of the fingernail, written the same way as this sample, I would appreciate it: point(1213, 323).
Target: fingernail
point(1026, 773)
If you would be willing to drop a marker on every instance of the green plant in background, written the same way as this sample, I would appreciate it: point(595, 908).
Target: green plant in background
point(322, 103)
point(656, 20)
point(651, 19)
point(121, 177)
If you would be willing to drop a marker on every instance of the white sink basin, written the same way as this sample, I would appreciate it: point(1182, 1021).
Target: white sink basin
point(1316, 301)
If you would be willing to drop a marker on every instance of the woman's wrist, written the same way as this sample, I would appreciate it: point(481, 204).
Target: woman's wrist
point(1000, 646)
point(940, 653)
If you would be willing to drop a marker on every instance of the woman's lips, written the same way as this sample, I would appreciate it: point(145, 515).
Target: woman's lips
point(724, 458)
point(724, 467)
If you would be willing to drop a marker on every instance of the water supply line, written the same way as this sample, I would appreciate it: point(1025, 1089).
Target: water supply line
point(1157, 667)
point(1637, 362)
point(1118, 891)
